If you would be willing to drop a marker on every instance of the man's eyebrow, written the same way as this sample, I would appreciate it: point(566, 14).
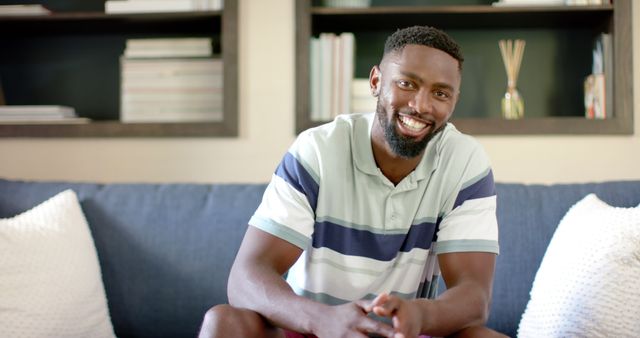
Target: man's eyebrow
point(441, 85)
point(411, 75)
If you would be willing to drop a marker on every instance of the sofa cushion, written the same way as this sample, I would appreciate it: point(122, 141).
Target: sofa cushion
point(528, 215)
point(165, 249)
point(587, 282)
point(49, 274)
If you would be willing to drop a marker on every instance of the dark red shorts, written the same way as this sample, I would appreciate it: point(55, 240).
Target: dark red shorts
point(291, 334)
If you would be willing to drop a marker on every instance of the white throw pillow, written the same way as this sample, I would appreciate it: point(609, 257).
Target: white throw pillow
point(50, 280)
point(588, 282)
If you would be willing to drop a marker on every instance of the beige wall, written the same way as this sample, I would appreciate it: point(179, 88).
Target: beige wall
point(266, 130)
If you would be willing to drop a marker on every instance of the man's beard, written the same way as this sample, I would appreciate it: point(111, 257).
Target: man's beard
point(402, 146)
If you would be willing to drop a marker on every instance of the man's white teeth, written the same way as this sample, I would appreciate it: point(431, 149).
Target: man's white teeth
point(411, 123)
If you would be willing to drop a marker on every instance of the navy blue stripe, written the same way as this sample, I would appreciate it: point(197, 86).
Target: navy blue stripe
point(365, 243)
point(295, 174)
point(485, 187)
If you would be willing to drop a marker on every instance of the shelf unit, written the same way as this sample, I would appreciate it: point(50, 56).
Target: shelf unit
point(73, 58)
point(555, 62)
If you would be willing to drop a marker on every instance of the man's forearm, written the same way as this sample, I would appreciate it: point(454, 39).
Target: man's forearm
point(460, 307)
point(266, 292)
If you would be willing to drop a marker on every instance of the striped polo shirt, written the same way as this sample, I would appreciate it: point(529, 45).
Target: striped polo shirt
point(361, 234)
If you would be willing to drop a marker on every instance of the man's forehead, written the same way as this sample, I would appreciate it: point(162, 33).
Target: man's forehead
point(415, 54)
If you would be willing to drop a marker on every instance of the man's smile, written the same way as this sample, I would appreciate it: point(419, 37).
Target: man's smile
point(412, 126)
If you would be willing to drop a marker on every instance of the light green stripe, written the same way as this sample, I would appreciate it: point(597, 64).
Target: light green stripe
point(331, 300)
point(363, 227)
point(475, 179)
point(369, 272)
point(281, 231)
point(467, 245)
point(428, 219)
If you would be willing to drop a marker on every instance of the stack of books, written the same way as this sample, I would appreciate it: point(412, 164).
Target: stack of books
point(160, 6)
point(361, 99)
point(19, 114)
point(549, 2)
point(24, 9)
point(347, 3)
point(529, 3)
point(171, 80)
point(332, 68)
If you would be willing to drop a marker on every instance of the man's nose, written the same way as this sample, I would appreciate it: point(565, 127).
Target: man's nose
point(422, 102)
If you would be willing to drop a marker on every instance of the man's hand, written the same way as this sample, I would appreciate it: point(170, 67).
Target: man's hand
point(349, 320)
point(405, 315)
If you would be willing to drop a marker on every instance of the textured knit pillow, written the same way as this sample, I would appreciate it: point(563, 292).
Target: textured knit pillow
point(587, 283)
point(50, 280)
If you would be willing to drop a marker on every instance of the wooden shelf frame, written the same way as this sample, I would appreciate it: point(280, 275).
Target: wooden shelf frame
point(156, 23)
point(311, 20)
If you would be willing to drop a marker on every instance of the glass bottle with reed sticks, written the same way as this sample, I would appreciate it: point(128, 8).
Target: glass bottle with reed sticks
point(512, 102)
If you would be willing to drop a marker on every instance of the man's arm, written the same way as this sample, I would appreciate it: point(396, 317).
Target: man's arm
point(465, 304)
point(467, 300)
point(256, 283)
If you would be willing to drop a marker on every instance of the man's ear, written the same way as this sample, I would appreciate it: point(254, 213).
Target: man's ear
point(374, 81)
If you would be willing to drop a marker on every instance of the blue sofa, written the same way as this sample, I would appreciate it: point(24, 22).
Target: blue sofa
point(166, 249)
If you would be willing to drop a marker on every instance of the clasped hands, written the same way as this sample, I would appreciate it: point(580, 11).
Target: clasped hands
point(351, 320)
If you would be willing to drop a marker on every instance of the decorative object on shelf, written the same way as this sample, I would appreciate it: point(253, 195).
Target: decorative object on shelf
point(512, 102)
point(594, 97)
point(347, 3)
point(598, 85)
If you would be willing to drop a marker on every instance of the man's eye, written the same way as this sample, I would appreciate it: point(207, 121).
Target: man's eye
point(442, 94)
point(405, 84)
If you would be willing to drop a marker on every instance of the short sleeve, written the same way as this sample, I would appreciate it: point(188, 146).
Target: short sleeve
point(288, 205)
point(471, 224)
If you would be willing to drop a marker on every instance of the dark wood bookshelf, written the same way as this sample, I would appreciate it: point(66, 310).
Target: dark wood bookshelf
point(469, 16)
point(115, 129)
point(100, 22)
point(73, 58)
point(556, 60)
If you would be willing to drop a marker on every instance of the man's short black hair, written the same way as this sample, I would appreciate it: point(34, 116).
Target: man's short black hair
point(426, 36)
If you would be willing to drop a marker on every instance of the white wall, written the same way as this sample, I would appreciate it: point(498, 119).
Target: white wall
point(266, 130)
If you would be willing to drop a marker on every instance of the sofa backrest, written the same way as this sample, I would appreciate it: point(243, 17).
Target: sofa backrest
point(166, 249)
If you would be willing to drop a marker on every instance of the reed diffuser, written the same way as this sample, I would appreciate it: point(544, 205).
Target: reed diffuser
point(512, 102)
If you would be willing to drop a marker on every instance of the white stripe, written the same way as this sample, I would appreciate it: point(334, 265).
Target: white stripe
point(351, 277)
point(285, 205)
point(474, 219)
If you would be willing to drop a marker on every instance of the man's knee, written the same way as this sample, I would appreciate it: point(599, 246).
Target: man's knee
point(479, 332)
point(227, 321)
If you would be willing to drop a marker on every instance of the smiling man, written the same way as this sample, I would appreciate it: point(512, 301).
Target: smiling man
point(365, 213)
